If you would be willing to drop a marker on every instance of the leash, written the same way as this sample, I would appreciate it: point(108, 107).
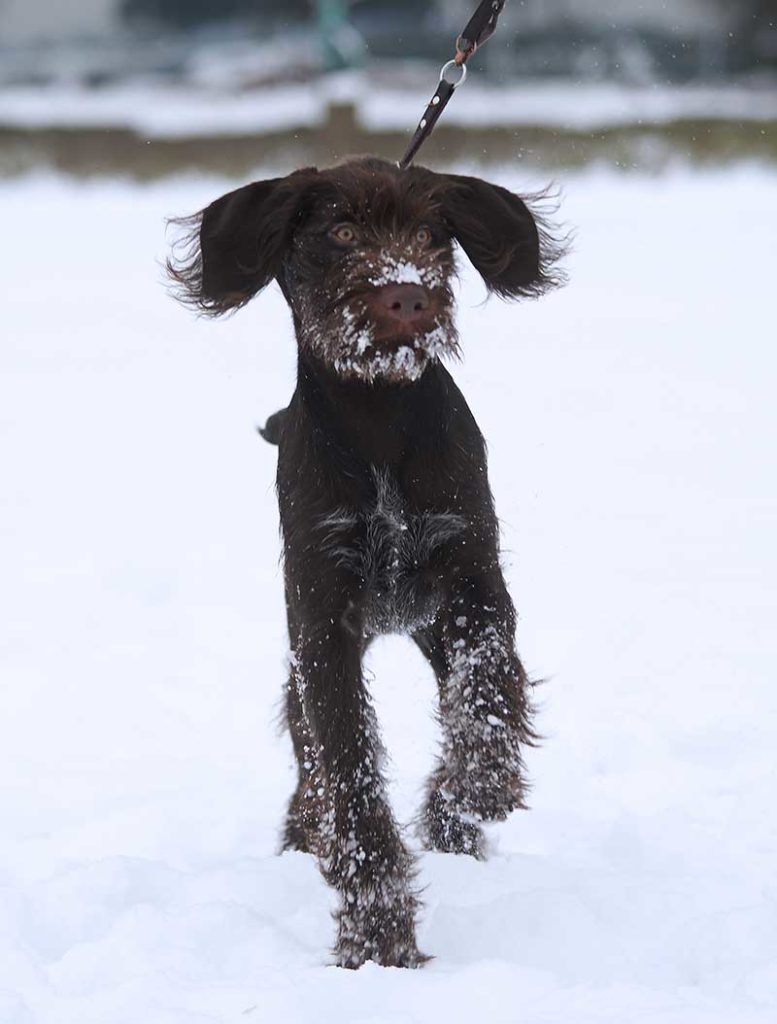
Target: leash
point(478, 29)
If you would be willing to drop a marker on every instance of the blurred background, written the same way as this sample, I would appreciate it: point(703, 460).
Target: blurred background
point(151, 87)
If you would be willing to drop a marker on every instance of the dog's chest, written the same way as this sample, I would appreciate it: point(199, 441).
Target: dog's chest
point(390, 549)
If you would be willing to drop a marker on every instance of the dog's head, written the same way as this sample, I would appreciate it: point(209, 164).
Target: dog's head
point(364, 255)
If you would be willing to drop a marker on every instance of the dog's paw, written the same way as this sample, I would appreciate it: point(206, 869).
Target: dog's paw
point(383, 934)
point(488, 792)
point(295, 838)
point(492, 798)
point(442, 829)
point(352, 953)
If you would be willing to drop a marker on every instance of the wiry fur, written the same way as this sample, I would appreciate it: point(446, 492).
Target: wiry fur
point(383, 546)
point(387, 517)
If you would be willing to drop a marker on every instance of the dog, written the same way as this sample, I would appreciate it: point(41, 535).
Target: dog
point(387, 518)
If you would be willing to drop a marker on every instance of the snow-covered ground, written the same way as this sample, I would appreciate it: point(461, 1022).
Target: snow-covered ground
point(164, 111)
point(631, 421)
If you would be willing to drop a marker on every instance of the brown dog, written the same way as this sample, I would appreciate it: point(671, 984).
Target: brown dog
point(387, 516)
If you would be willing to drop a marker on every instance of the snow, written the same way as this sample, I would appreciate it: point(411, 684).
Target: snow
point(631, 422)
point(161, 111)
point(580, 105)
point(158, 110)
point(394, 271)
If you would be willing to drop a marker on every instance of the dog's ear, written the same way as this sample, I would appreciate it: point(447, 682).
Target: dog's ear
point(234, 248)
point(509, 245)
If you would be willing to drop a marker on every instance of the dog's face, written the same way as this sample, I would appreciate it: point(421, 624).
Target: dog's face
point(364, 254)
point(368, 277)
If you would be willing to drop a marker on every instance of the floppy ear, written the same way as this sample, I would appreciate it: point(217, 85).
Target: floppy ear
point(234, 248)
point(508, 244)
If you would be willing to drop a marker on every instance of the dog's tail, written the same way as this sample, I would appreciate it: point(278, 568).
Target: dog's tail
point(271, 431)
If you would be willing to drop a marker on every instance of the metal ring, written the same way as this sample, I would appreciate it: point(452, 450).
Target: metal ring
point(447, 68)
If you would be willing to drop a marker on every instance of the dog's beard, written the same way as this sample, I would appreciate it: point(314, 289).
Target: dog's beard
point(358, 348)
point(341, 326)
point(357, 351)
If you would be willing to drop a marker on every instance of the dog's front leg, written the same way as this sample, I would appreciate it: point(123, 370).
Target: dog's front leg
point(484, 713)
point(360, 850)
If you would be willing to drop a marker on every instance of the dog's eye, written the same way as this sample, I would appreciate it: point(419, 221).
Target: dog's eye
point(423, 235)
point(345, 234)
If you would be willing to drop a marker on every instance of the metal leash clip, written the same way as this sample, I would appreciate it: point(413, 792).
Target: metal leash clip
point(450, 66)
point(479, 28)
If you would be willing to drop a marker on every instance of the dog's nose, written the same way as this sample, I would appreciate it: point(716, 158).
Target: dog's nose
point(405, 302)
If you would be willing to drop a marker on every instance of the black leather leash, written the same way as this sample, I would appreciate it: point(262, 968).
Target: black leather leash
point(478, 29)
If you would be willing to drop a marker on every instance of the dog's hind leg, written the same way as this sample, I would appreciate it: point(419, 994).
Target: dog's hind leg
point(359, 847)
point(484, 715)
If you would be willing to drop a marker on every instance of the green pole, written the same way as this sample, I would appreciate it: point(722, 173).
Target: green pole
point(340, 44)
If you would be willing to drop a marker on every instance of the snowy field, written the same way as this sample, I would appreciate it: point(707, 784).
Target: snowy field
point(631, 421)
point(159, 111)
